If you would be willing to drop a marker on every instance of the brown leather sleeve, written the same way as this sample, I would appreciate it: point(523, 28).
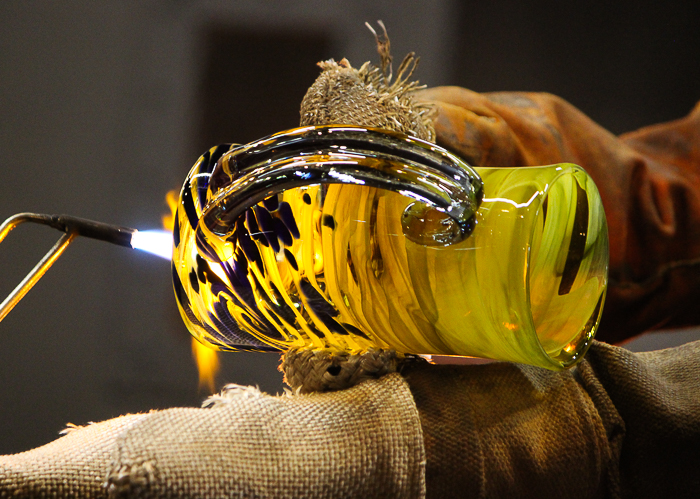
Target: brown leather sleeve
point(649, 182)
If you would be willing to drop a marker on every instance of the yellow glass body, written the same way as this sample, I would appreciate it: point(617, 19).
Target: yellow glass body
point(527, 286)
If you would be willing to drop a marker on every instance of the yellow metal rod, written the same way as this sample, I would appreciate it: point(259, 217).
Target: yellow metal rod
point(18, 219)
point(37, 272)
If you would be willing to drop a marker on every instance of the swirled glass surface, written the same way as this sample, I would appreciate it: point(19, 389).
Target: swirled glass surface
point(350, 266)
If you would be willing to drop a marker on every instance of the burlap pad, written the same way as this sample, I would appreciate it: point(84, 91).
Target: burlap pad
point(75, 465)
point(618, 425)
point(362, 442)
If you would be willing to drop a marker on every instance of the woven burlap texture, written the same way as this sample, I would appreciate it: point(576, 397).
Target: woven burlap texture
point(366, 96)
point(308, 370)
point(75, 465)
point(362, 442)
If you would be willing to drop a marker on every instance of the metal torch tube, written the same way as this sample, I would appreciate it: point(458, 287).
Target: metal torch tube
point(36, 273)
point(72, 227)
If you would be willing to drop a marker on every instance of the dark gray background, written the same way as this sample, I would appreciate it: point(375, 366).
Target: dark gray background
point(104, 106)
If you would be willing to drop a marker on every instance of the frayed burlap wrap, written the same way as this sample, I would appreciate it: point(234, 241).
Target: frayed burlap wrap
point(367, 97)
point(362, 442)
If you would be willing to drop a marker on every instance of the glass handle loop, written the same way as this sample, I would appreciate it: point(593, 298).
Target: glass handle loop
point(433, 177)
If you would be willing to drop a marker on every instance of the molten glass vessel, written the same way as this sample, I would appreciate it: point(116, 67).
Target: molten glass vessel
point(349, 238)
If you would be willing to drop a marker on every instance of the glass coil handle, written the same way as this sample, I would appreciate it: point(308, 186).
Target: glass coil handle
point(438, 180)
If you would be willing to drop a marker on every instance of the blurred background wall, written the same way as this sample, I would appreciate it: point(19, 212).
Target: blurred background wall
point(104, 106)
